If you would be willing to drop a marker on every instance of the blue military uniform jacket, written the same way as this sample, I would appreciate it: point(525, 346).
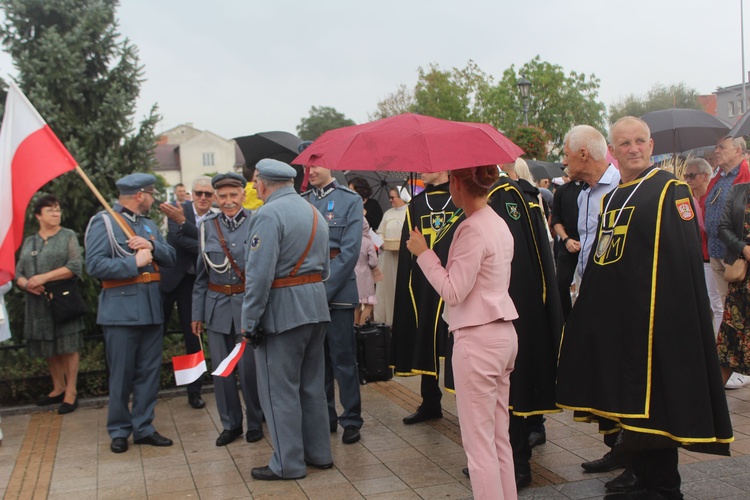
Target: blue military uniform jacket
point(342, 210)
point(108, 257)
point(279, 233)
point(217, 309)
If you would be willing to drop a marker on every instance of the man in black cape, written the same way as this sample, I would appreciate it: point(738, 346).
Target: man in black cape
point(638, 347)
point(420, 334)
point(534, 292)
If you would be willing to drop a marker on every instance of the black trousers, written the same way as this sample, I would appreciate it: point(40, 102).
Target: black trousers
point(182, 295)
point(431, 393)
point(519, 442)
point(657, 470)
point(566, 268)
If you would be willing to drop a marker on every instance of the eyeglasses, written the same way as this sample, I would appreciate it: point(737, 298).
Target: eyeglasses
point(690, 177)
point(202, 194)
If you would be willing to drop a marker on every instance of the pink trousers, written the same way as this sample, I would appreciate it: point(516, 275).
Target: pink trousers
point(483, 358)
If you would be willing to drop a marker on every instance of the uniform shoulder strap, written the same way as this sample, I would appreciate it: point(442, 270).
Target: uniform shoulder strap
point(309, 243)
point(223, 242)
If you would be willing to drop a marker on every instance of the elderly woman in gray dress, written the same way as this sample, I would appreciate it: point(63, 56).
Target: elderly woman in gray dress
point(52, 254)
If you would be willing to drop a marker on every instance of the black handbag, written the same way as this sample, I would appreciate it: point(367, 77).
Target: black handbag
point(65, 300)
point(64, 297)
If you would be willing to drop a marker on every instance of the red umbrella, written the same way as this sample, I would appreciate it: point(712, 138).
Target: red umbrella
point(410, 143)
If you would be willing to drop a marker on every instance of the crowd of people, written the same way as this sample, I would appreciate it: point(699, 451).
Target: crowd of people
point(600, 322)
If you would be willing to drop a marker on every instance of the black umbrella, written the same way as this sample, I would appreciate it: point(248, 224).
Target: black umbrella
point(742, 127)
point(379, 182)
point(277, 145)
point(677, 130)
point(545, 169)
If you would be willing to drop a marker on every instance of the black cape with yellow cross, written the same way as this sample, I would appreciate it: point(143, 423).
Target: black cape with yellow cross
point(638, 346)
point(420, 335)
point(534, 292)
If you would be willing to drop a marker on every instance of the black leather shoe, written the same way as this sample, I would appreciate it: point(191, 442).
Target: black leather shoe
point(522, 480)
point(466, 471)
point(319, 466)
point(119, 445)
point(537, 438)
point(266, 474)
point(195, 401)
point(334, 427)
point(624, 482)
point(254, 435)
point(51, 400)
point(227, 437)
point(423, 414)
point(604, 464)
point(66, 408)
point(351, 435)
point(154, 439)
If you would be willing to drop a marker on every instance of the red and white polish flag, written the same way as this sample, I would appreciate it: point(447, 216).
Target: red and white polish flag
point(30, 156)
point(226, 367)
point(189, 368)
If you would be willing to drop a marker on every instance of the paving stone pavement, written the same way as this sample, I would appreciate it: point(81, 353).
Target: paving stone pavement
point(45, 455)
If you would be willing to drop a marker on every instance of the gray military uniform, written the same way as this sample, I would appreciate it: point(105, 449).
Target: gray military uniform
point(342, 210)
point(290, 358)
point(131, 316)
point(222, 314)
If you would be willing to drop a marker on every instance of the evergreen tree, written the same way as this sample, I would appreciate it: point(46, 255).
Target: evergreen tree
point(84, 78)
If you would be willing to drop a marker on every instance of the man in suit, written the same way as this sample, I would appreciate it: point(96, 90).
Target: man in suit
point(285, 299)
point(217, 301)
point(342, 210)
point(177, 282)
point(130, 309)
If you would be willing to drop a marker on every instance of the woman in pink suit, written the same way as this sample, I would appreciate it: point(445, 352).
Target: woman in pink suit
point(479, 313)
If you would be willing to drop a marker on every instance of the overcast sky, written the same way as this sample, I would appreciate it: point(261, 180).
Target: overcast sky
point(245, 66)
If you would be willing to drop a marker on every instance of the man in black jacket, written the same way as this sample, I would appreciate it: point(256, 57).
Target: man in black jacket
point(176, 283)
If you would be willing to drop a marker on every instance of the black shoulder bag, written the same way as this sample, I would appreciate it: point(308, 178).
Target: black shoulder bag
point(63, 296)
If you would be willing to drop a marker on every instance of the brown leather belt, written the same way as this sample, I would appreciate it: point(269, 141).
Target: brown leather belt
point(334, 252)
point(141, 278)
point(227, 289)
point(297, 280)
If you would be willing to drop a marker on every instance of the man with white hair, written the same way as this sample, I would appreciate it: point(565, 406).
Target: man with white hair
point(585, 155)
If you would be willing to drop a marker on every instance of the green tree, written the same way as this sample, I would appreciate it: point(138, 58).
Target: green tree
point(84, 79)
point(676, 95)
point(533, 140)
point(321, 119)
point(399, 102)
point(557, 102)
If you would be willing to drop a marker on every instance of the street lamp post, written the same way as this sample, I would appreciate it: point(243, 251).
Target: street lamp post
point(524, 87)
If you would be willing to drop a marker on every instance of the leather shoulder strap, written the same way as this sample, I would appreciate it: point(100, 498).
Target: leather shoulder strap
point(309, 243)
point(223, 242)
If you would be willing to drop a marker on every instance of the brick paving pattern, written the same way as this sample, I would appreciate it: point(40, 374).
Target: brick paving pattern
point(44, 455)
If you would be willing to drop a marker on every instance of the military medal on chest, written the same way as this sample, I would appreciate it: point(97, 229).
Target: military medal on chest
point(329, 215)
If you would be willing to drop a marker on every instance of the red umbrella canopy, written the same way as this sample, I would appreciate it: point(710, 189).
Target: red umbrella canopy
point(410, 143)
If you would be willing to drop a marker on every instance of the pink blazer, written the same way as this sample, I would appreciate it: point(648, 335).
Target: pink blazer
point(474, 283)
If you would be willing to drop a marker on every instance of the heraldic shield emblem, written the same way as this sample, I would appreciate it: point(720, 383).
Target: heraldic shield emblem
point(437, 220)
point(512, 209)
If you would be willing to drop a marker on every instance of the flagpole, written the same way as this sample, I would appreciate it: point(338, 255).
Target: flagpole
point(125, 229)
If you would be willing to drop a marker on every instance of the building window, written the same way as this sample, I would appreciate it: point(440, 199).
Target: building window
point(730, 111)
point(208, 159)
